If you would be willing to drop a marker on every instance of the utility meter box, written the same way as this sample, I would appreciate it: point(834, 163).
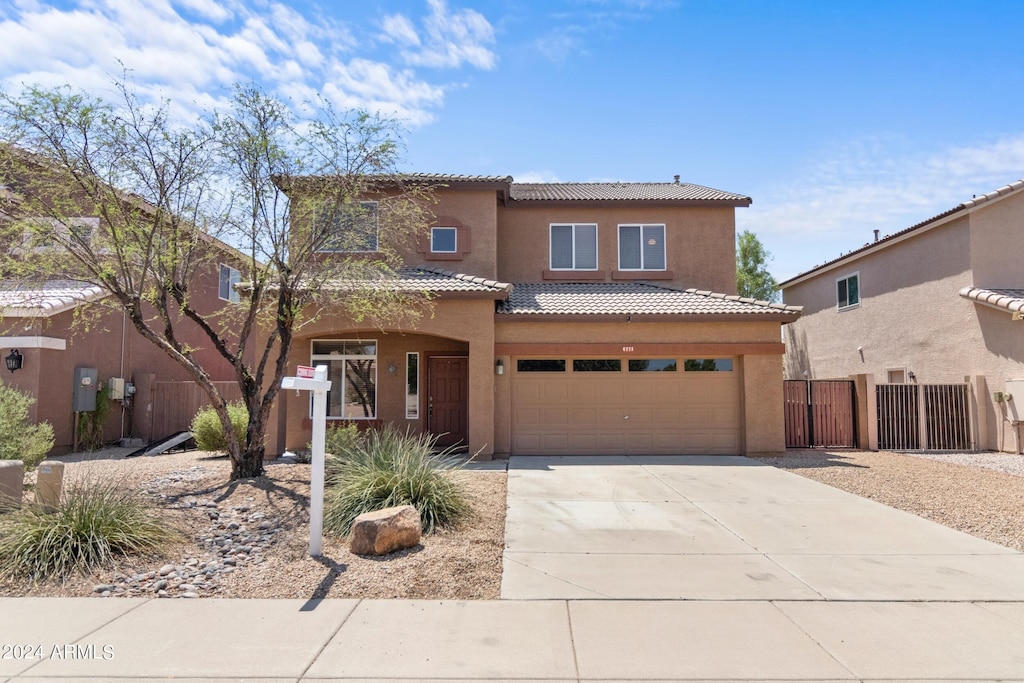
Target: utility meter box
point(116, 385)
point(1014, 393)
point(84, 397)
point(49, 482)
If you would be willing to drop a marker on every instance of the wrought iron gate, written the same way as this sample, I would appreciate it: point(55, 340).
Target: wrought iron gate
point(820, 414)
point(924, 417)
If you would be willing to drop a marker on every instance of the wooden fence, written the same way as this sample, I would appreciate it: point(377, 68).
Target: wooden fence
point(176, 403)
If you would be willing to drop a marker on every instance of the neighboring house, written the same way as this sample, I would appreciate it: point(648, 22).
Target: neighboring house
point(575, 318)
point(62, 328)
point(938, 302)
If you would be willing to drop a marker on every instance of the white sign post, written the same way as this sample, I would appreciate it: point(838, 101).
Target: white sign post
point(315, 380)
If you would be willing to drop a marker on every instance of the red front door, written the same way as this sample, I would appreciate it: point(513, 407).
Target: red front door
point(448, 383)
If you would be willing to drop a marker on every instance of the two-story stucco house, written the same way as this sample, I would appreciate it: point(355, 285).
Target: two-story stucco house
point(590, 318)
point(938, 302)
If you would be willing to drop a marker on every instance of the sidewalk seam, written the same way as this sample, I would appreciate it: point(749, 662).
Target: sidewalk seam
point(811, 638)
point(327, 642)
point(572, 641)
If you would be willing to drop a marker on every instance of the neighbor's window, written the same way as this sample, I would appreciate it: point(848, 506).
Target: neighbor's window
point(574, 247)
point(352, 369)
point(707, 365)
point(641, 247)
point(594, 365)
point(349, 227)
point(444, 240)
point(229, 277)
point(540, 365)
point(412, 385)
point(848, 291)
point(652, 365)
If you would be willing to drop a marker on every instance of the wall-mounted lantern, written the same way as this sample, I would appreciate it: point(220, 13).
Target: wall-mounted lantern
point(14, 360)
point(499, 367)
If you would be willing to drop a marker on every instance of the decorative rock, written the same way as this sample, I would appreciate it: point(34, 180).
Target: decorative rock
point(102, 588)
point(160, 585)
point(385, 531)
point(166, 569)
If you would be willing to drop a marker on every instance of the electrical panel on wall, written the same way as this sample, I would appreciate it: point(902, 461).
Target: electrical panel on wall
point(83, 399)
point(1014, 394)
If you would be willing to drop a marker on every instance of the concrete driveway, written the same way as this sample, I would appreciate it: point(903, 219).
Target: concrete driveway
point(728, 528)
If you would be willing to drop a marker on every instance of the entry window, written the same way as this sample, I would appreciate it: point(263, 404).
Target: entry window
point(351, 227)
point(412, 385)
point(848, 291)
point(896, 375)
point(593, 365)
point(444, 240)
point(574, 247)
point(540, 365)
point(652, 365)
point(641, 247)
point(707, 365)
point(352, 369)
point(228, 278)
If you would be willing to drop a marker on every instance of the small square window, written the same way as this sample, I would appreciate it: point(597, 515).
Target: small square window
point(444, 240)
point(848, 291)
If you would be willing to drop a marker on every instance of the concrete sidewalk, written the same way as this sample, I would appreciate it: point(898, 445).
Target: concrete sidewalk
point(627, 569)
point(553, 640)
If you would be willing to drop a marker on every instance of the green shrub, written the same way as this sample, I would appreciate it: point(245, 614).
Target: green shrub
point(19, 438)
point(90, 423)
point(208, 432)
point(93, 524)
point(386, 468)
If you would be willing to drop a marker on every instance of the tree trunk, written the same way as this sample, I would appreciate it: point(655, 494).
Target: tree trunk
point(250, 459)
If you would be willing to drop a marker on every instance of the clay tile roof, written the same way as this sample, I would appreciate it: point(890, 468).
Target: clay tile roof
point(1011, 300)
point(631, 298)
point(45, 299)
point(526, 192)
point(438, 280)
point(455, 178)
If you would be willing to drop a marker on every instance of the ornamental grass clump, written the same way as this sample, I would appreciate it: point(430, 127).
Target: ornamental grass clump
point(385, 468)
point(94, 524)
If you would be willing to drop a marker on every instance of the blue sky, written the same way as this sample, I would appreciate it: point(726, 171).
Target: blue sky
point(837, 117)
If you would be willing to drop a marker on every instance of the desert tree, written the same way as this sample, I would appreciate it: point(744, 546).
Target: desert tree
point(276, 192)
point(752, 277)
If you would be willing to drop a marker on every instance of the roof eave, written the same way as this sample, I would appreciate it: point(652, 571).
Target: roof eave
point(780, 317)
point(746, 201)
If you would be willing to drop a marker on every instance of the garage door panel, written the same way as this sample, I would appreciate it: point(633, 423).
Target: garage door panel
point(586, 413)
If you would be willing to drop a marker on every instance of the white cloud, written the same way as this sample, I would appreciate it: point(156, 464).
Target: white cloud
point(865, 185)
point(193, 51)
point(450, 38)
point(537, 176)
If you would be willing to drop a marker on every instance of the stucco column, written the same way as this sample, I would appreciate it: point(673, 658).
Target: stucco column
point(867, 411)
point(763, 411)
point(481, 398)
point(981, 407)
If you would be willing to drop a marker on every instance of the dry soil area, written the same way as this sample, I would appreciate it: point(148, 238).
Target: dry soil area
point(190, 489)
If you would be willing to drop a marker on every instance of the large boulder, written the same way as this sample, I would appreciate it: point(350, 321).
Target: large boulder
point(385, 531)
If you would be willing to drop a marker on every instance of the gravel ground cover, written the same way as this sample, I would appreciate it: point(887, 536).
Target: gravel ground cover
point(249, 539)
point(981, 494)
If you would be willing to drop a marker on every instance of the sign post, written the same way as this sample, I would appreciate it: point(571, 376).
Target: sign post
point(315, 380)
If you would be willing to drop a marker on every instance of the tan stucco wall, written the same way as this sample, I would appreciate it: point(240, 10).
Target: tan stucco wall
point(454, 327)
point(995, 243)
point(476, 212)
point(763, 419)
point(699, 242)
point(912, 317)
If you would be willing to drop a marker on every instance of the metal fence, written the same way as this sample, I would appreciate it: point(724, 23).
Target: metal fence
point(924, 417)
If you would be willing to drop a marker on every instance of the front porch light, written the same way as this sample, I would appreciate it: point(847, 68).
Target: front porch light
point(14, 360)
point(499, 367)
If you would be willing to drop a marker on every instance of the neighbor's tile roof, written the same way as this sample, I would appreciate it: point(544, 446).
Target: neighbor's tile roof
point(621, 192)
point(1011, 300)
point(630, 298)
point(45, 299)
point(456, 178)
point(969, 204)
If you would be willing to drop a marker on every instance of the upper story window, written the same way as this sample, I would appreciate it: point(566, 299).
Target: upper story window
point(229, 277)
point(848, 291)
point(350, 227)
point(574, 247)
point(641, 247)
point(444, 240)
point(48, 233)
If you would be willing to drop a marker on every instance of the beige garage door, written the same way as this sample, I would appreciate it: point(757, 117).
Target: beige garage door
point(625, 406)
